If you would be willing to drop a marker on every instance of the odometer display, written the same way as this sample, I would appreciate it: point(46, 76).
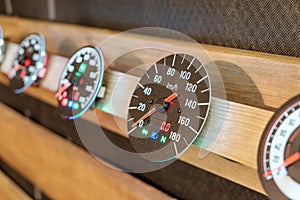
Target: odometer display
point(29, 64)
point(169, 107)
point(80, 82)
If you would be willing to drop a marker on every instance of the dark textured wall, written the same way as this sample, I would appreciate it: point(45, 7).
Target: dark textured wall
point(32, 8)
point(267, 26)
point(2, 6)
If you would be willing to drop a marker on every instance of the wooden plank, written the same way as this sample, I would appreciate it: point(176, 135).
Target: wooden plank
point(160, 177)
point(242, 129)
point(61, 169)
point(248, 76)
point(225, 168)
point(9, 190)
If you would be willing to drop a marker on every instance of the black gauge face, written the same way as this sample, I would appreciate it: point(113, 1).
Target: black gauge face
point(29, 64)
point(1, 46)
point(169, 107)
point(80, 82)
point(279, 153)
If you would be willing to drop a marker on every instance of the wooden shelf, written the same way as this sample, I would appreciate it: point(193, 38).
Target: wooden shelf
point(61, 169)
point(9, 190)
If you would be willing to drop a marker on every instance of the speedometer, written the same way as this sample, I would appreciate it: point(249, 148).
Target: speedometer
point(279, 153)
point(30, 63)
point(80, 82)
point(169, 107)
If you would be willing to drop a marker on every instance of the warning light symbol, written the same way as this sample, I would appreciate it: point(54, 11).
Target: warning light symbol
point(154, 136)
point(145, 131)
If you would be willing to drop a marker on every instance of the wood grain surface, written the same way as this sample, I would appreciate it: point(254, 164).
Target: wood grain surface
point(248, 76)
point(9, 190)
point(61, 169)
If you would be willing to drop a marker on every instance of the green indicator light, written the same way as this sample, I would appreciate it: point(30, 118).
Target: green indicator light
point(163, 139)
point(145, 131)
point(77, 74)
point(82, 68)
point(75, 106)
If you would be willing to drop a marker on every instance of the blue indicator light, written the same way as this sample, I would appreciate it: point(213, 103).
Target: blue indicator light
point(70, 104)
point(154, 136)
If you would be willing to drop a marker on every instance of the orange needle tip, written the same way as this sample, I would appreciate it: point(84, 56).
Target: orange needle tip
point(171, 97)
point(290, 160)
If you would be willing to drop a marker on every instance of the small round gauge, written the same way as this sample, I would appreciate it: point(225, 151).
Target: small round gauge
point(279, 153)
point(29, 64)
point(169, 107)
point(1, 46)
point(80, 82)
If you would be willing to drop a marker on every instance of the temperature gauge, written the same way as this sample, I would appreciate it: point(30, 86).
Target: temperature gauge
point(29, 64)
point(279, 153)
point(169, 107)
point(80, 82)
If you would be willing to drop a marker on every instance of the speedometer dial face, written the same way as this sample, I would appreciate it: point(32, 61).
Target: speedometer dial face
point(80, 82)
point(169, 107)
point(29, 64)
point(279, 153)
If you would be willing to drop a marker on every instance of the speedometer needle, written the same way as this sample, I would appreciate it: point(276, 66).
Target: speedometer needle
point(148, 114)
point(290, 160)
point(171, 98)
point(62, 89)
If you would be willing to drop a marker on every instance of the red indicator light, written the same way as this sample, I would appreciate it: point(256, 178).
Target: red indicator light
point(165, 126)
point(23, 74)
point(76, 96)
point(81, 81)
point(64, 102)
point(27, 62)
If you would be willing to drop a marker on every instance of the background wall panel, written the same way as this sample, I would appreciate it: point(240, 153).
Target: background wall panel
point(265, 26)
